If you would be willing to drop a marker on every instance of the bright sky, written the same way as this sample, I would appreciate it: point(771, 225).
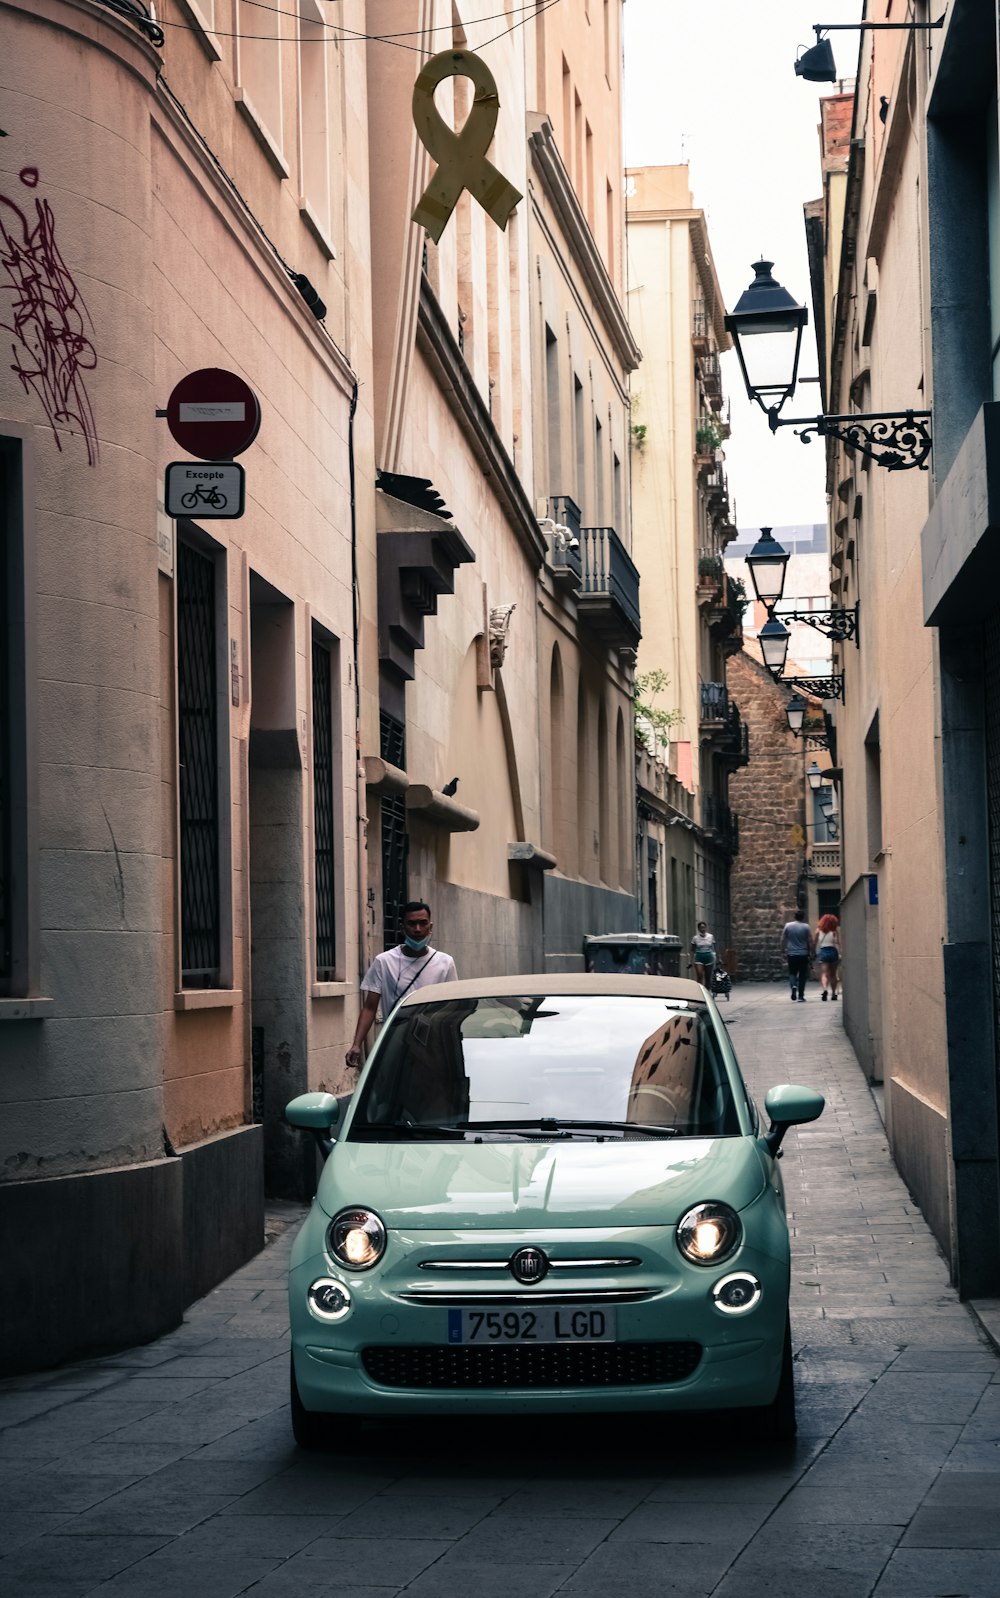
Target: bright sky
point(712, 83)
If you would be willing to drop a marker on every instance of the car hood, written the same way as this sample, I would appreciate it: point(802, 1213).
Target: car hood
point(450, 1186)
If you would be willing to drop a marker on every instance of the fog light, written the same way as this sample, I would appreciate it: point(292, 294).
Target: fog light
point(329, 1300)
point(736, 1294)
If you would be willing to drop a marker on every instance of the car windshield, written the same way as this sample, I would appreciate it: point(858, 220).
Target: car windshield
point(554, 1065)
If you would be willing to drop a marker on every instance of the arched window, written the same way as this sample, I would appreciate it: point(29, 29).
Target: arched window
point(584, 830)
point(606, 851)
point(625, 817)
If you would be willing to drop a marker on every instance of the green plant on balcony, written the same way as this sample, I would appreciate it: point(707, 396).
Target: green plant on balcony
point(738, 598)
point(708, 437)
point(652, 722)
point(710, 569)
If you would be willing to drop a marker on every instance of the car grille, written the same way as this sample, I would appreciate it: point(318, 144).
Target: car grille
point(547, 1365)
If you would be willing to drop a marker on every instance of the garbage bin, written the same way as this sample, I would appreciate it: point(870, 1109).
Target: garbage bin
point(651, 954)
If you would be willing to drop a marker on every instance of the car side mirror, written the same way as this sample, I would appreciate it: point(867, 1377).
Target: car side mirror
point(317, 1113)
point(790, 1106)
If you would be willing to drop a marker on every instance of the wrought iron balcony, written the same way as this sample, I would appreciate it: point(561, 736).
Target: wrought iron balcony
point(564, 558)
point(711, 376)
point(699, 326)
point(609, 588)
point(719, 820)
point(714, 705)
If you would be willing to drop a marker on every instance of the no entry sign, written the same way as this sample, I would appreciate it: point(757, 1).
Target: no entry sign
point(213, 414)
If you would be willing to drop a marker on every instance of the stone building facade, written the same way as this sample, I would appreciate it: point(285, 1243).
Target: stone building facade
point(768, 876)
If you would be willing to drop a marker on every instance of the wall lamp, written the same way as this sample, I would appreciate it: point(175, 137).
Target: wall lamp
point(816, 65)
point(795, 712)
point(766, 328)
point(773, 639)
point(767, 562)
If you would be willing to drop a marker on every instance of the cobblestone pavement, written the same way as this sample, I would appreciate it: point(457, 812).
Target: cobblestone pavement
point(170, 1469)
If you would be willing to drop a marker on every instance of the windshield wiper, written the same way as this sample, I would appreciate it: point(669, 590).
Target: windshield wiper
point(547, 1127)
point(556, 1126)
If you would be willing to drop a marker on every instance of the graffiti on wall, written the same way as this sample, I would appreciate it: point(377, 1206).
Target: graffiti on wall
point(43, 310)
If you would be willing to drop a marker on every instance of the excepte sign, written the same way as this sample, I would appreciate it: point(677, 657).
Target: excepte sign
point(216, 490)
point(213, 414)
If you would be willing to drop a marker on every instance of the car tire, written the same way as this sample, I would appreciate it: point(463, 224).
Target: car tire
point(777, 1419)
point(313, 1430)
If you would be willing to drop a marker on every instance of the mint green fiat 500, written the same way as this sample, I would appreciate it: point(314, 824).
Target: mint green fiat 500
point(550, 1193)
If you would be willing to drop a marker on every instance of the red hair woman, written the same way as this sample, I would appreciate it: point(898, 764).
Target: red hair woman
point(829, 952)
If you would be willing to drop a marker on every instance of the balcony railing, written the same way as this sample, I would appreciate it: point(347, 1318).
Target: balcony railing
point(714, 704)
point(711, 376)
point(825, 857)
point(717, 818)
point(564, 544)
point(699, 324)
point(609, 588)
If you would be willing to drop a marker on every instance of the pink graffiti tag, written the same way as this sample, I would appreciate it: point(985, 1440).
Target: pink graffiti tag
point(50, 348)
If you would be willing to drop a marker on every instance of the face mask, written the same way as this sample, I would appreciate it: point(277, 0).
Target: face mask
point(415, 945)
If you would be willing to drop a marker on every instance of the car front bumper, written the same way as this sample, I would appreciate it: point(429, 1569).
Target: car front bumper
point(736, 1362)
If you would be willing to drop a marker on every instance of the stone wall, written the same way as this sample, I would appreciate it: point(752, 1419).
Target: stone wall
point(768, 795)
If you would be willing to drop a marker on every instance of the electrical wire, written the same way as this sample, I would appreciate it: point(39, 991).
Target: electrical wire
point(135, 11)
point(348, 35)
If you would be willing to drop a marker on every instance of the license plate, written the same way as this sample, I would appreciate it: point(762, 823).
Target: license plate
point(585, 1324)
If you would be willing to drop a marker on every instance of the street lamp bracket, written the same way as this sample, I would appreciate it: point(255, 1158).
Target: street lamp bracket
point(898, 441)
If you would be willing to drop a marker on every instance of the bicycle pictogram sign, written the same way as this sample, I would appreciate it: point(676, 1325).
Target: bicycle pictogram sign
point(202, 490)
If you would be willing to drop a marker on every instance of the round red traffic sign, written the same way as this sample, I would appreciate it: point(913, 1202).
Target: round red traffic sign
point(213, 414)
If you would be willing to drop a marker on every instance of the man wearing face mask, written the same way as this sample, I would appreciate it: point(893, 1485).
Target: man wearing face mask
point(414, 964)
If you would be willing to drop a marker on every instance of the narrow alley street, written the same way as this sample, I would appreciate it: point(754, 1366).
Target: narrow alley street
point(170, 1468)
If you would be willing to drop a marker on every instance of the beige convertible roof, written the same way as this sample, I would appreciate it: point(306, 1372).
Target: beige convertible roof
point(549, 982)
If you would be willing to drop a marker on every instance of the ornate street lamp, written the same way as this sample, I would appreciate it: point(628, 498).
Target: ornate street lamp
point(767, 562)
point(814, 777)
point(795, 711)
point(816, 65)
point(767, 315)
point(773, 639)
point(771, 323)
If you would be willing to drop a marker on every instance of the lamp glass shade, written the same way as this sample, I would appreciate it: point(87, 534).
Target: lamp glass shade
point(795, 711)
point(814, 777)
point(773, 639)
point(767, 562)
point(826, 801)
point(766, 326)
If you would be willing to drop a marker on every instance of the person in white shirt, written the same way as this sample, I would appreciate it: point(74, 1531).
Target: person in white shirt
point(413, 964)
point(704, 955)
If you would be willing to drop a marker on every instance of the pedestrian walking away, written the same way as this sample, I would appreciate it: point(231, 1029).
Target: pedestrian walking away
point(797, 946)
point(829, 947)
point(414, 963)
point(704, 955)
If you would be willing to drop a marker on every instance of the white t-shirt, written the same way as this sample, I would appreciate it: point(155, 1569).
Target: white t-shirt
point(394, 973)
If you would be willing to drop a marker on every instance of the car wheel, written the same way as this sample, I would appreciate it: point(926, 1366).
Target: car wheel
point(312, 1430)
point(309, 1429)
point(778, 1418)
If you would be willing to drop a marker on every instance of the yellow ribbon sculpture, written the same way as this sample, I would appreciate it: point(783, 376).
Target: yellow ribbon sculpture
point(461, 156)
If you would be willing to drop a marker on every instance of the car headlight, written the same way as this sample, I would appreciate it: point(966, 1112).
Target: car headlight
point(356, 1238)
point(709, 1233)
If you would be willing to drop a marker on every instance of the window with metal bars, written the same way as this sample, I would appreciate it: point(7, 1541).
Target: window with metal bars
point(7, 632)
point(198, 773)
point(324, 833)
point(394, 839)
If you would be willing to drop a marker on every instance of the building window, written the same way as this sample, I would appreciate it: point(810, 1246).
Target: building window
point(314, 111)
point(581, 492)
point(993, 215)
point(18, 964)
point(259, 67)
point(395, 843)
point(198, 773)
point(554, 438)
point(324, 811)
